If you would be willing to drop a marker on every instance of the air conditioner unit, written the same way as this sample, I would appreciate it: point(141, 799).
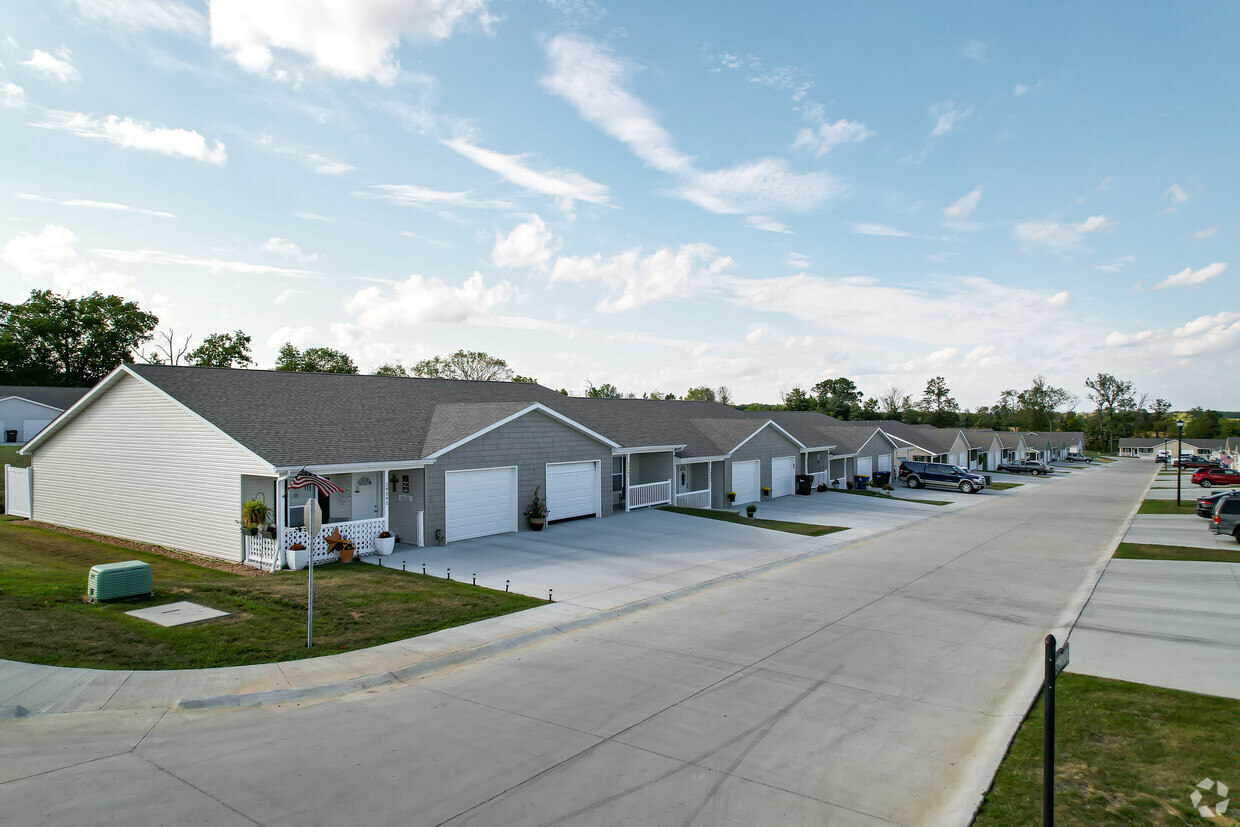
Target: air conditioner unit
point(110, 581)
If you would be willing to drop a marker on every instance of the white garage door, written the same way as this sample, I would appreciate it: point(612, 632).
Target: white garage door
point(746, 480)
point(783, 472)
point(30, 427)
point(478, 503)
point(884, 463)
point(572, 490)
point(865, 466)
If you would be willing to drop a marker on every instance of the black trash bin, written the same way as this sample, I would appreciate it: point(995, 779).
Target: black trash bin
point(10, 436)
point(805, 484)
point(882, 478)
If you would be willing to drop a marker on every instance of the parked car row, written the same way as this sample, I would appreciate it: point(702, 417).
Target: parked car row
point(1216, 475)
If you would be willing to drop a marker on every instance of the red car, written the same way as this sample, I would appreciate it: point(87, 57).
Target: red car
point(1193, 462)
point(1207, 477)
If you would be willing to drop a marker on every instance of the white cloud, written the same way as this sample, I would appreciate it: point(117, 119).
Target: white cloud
point(935, 360)
point(287, 249)
point(286, 295)
point(830, 135)
point(214, 265)
point(770, 225)
point(1176, 194)
point(529, 244)
point(1189, 276)
point(60, 69)
point(297, 336)
point(947, 115)
point(633, 281)
point(592, 79)
point(410, 195)
point(313, 161)
point(1117, 265)
point(419, 300)
point(565, 185)
point(1058, 236)
point(797, 261)
point(12, 95)
point(310, 216)
point(957, 213)
point(137, 16)
point(976, 51)
point(1218, 333)
point(1202, 235)
point(50, 256)
point(762, 186)
point(130, 134)
point(1019, 89)
point(1060, 299)
point(94, 205)
point(878, 229)
point(353, 40)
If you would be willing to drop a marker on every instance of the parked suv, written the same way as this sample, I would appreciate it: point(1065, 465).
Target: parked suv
point(919, 474)
point(1206, 477)
point(1226, 519)
point(1027, 466)
point(1206, 502)
point(1074, 457)
point(1193, 462)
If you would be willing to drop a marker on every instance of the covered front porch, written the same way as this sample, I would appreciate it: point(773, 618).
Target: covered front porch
point(648, 478)
point(370, 501)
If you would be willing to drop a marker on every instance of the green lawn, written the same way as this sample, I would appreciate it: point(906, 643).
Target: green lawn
point(1188, 506)
point(8, 456)
point(1148, 551)
point(1125, 754)
point(886, 496)
point(804, 529)
point(1004, 486)
point(46, 620)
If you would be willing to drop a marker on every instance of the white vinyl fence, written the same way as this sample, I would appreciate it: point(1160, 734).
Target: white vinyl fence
point(18, 491)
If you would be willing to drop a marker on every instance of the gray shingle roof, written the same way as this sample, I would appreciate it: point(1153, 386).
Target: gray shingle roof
point(60, 398)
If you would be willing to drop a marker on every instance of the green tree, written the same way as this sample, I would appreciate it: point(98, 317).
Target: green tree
point(893, 402)
point(165, 350)
point(314, 360)
point(797, 400)
point(391, 369)
point(870, 411)
point(837, 397)
point(1110, 395)
point(526, 380)
point(658, 394)
point(723, 395)
point(702, 394)
point(937, 403)
point(604, 391)
point(1039, 405)
point(1203, 425)
point(56, 340)
point(473, 365)
point(223, 350)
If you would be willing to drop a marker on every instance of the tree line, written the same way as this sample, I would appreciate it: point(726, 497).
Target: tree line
point(57, 340)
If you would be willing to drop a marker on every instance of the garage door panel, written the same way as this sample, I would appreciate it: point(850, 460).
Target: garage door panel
point(783, 476)
point(884, 462)
point(746, 480)
point(479, 503)
point(573, 490)
point(865, 466)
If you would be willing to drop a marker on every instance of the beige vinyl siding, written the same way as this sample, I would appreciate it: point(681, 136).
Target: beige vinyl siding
point(136, 465)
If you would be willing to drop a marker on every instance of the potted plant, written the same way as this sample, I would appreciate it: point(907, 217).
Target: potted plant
point(731, 497)
point(297, 556)
point(537, 512)
point(766, 491)
point(346, 550)
point(750, 510)
point(822, 487)
point(384, 543)
point(255, 515)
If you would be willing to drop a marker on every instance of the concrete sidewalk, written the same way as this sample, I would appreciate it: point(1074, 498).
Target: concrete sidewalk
point(1177, 530)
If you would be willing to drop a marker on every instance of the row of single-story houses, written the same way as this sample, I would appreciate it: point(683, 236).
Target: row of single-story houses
point(1220, 449)
point(24, 411)
point(167, 455)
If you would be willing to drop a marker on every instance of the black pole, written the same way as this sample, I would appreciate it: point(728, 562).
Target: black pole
point(1048, 736)
point(1179, 464)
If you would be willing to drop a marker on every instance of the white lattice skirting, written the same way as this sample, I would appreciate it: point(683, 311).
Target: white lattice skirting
point(362, 532)
point(262, 552)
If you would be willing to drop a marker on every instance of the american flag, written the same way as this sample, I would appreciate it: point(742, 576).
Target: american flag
point(305, 479)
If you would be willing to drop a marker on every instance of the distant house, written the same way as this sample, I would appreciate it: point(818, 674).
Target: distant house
point(26, 410)
point(1150, 447)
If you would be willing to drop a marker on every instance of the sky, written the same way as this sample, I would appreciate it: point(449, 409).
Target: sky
point(654, 195)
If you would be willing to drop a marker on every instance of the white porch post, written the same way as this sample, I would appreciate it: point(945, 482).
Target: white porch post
point(628, 481)
point(281, 516)
point(710, 484)
point(387, 487)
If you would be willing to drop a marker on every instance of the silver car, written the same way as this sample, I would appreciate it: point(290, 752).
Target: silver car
point(1226, 519)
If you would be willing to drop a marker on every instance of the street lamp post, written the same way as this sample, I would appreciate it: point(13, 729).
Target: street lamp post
point(1179, 463)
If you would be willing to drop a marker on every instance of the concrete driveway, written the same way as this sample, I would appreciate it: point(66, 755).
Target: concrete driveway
point(879, 683)
point(1166, 623)
point(1177, 530)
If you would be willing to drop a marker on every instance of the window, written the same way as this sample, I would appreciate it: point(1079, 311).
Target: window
point(617, 474)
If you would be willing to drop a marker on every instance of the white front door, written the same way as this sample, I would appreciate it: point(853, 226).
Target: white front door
point(572, 490)
point(783, 476)
point(865, 466)
point(366, 496)
point(478, 503)
point(747, 480)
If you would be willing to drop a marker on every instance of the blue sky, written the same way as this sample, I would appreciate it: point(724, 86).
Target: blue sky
point(645, 194)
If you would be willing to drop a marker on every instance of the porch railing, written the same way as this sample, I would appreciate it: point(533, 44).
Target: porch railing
point(821, 478)
point(650, 493)
point(362, 532)
point(694, 499)
point(262, 552)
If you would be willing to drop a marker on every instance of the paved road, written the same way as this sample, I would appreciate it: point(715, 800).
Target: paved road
point(878, 683)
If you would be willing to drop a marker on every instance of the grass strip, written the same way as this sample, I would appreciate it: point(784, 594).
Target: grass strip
point(804, 529)
point(1004, 486)
point(883, 496)
point(1150, 551)
point(1169, 507)
point(1125, 754)
point(43, 576)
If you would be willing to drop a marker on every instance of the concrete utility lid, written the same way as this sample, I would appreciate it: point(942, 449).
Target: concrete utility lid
point(177, 614)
